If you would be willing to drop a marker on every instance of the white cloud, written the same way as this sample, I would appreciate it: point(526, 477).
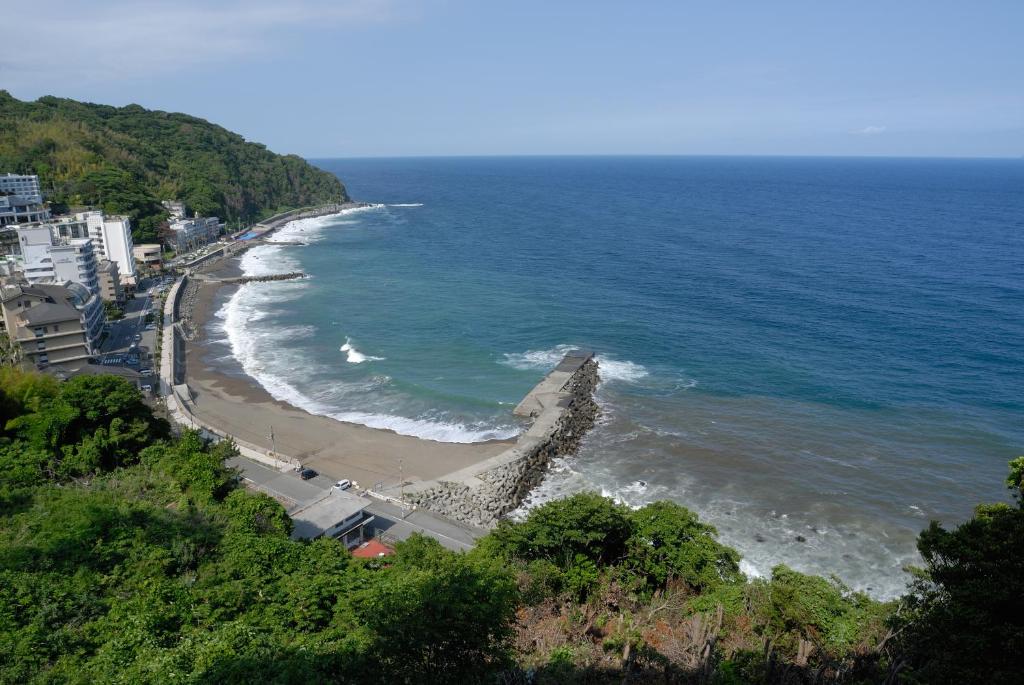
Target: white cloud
point(869, 131)
point(96, 42)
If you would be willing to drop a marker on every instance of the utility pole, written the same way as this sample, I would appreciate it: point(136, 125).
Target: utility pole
point(401, 485)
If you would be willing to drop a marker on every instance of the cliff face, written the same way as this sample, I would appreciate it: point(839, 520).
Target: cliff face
point(127, 159)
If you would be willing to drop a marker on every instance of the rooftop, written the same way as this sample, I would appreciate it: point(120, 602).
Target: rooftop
point(49, 312)
point(372, 549)
point(48, 290)
point(100, 370)
point(312, 520)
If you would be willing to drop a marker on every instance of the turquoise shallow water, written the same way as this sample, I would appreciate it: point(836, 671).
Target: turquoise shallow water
point(824, 348)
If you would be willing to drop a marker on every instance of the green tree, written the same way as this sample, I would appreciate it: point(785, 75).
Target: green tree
point(93, 423)
point(22, 392)
point(586, 526)
point(438, 617)
point(257, 513)
point(965, 617)
point(670, 542)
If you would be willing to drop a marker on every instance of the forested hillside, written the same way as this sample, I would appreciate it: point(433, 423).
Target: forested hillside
point(128, 555)
point(127, 159)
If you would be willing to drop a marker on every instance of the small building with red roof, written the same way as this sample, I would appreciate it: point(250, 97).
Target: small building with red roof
point(372, 549)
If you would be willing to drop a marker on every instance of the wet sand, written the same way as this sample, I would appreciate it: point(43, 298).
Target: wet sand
point(240, 407)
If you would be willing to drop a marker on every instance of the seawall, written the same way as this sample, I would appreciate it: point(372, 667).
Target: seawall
point(563, 410)
point(176, 392)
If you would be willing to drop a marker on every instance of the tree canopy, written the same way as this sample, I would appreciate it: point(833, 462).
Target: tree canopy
point(125, 160)
point(130, 555)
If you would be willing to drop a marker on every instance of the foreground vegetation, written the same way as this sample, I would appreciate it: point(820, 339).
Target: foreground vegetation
point(125, 160)
point(127, 555)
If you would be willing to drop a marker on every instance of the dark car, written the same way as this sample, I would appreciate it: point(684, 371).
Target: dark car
point(306, 474)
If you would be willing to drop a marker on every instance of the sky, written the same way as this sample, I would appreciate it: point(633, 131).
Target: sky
point(358, 78)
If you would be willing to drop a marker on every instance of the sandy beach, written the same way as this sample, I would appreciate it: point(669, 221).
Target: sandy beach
point(242, 408)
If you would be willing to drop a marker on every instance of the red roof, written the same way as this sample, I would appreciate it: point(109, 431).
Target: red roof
point(372, 550)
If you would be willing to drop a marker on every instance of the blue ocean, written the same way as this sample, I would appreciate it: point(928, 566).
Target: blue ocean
point(817, 355)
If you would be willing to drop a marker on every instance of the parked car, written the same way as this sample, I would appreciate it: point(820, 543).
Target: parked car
point(343, 484)
point(306, 474)
point(145, 372)
point(146, 388)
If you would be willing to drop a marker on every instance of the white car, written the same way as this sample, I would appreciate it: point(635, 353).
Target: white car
point(343, 484)
point(146, 372)
point(146, 388)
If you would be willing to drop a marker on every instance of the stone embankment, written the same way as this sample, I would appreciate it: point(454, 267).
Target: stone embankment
point(563, 409)
point(263, 279)
point(183, 311)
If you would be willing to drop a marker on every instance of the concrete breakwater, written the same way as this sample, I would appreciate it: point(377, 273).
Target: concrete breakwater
point(563, 410)
point(262, 279)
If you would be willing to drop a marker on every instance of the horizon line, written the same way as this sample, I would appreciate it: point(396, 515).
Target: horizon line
point(664, 155)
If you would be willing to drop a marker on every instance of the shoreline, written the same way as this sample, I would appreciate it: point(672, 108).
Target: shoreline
point(242, 408)
point(469, 483)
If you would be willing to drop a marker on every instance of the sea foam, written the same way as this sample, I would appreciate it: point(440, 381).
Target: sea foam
point(609, 369)
point(281, 370)
point(354, 356)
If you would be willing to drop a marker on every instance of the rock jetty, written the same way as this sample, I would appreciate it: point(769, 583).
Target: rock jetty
point(563, 409)
point(263, 279)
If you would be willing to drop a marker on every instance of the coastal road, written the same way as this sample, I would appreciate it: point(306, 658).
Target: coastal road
point(295, 493)
point(121, 333)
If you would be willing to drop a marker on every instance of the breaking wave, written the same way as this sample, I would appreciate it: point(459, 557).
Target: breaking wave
point(609, 369)
point(354, 356)
point(280, 368)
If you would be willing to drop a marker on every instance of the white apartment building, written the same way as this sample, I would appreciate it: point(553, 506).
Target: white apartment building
point(68, 227)
point(34, 243)
point(21, 200)
point(49, 258)
point(184, 235)
point(75, 260)
point(61, 228)
point(112, 239)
